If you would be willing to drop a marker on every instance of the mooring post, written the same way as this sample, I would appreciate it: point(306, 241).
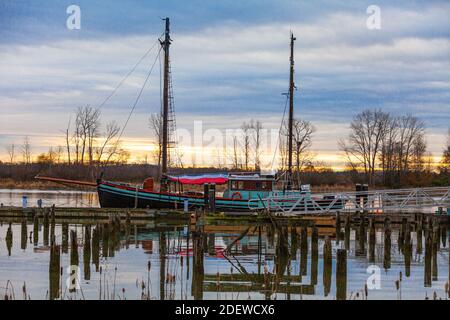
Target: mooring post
point(358, 196)
point(52, 224)
point(212, 244)
point(327, 266)
point(23, 234)
point(9, 239)
point(435, 249)
point(407, 250)
point(96, 248)
point(54, 271)
point(314, 254)
point(387, 244)
point(74, 260)
point(338, 227)
point(46, 227)
point(427, 260)
point(35, 230)
point(341, 274)
point(304, 251)
point(347, 232)
point(294, 242)
point(362, 237)
point(419, 233)
point(372, 240)
point(87, 252)
point(65, 237)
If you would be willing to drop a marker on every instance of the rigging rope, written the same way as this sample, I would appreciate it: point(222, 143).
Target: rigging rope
point(129, 73)
point(279, 132)
point(135, 102)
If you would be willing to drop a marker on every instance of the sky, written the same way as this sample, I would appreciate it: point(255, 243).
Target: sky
point(230, 63)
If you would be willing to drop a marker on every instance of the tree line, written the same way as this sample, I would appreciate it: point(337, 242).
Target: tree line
point(381, 149)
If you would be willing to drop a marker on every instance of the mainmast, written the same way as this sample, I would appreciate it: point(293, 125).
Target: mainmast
point(165, 112)
point(291, 114)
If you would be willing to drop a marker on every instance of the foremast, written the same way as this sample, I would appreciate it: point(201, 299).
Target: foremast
point(165, 109)
point(291, 114)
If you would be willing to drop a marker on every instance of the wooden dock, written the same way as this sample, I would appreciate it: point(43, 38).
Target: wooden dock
point(108, 214)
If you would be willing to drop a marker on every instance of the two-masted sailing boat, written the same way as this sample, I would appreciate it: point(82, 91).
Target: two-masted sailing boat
point(244, 192)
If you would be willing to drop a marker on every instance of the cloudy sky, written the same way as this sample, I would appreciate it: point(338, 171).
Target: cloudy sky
point(230, 63)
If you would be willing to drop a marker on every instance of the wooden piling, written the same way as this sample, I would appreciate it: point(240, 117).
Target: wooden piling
point(35, 230)
point(435, 249)
point(428, 259)
point(341, 274)
point(362, 237)
point(372, 240)
point(23, 234)
point(347, 232)
point(407, 249)
point(96, 248)
point(111, 239)
point(338, 227)
point(304, 251)
point(105, 240)
point(198, 263)
point(162, 265)
point(74, 260)
point(387, 244)
point(87, 252)
point(419, 235)
point(211, 244)
point(46, 227)
point(314, 254)
point(65, 237)
point(327, 266)
point(54, 272)
point(294, 242)
point(9, 239)
point(444, 232)
point(52, 224)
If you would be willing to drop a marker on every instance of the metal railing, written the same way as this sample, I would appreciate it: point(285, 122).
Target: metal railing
point(364, 201)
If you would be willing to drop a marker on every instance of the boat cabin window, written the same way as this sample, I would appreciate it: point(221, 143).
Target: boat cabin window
point(251, 185)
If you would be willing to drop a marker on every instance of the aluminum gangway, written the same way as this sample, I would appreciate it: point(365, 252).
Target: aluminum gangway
point(373, 201)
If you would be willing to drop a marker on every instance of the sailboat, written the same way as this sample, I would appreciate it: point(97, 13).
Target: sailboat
point(244, 191)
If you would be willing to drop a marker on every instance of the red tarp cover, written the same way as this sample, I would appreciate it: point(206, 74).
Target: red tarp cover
point(200, 179)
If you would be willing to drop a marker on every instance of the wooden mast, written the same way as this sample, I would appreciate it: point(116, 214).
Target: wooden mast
point(291, 114)
point(165, 114)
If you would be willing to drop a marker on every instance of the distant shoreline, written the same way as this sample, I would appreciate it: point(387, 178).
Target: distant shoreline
point(9, 184)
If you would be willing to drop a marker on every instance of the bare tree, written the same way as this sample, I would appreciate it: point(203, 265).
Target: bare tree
point(257, 128)
point(68, 140)
point(108, 146)
point(86, 131)
point(246, 136)
point(26, 150)
point(410, 140)
point(235, 155)
point(363, 144)
point(156, 123)
point(445, 161)
point(303, 131)
point(11, 149)
point(388, 153)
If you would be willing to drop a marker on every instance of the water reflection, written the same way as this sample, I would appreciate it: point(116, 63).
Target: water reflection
point(169, 260)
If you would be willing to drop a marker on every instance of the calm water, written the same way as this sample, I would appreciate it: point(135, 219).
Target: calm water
point(61, 198)
point(167, 260)
point(172, 262)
